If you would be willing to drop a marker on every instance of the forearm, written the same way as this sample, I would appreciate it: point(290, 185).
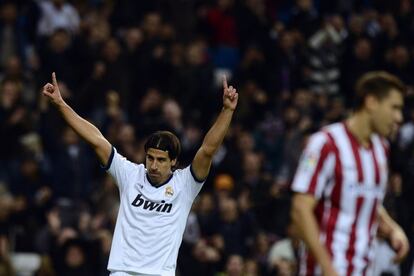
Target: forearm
point(308, 230)
point(385, 223)
point(82, 127)
point(87, 132)
point(217, 132)
point(394, 234)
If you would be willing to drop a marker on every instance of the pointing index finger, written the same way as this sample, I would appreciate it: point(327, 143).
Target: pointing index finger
point(225, 82)
point(54, 79)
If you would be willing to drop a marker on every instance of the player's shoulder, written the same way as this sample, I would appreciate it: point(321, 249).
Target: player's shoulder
point(325, 133)
point(123, 161)
point(333, 132)
point(180, 172)
point(186, 174)
point(326, 136)
point(332, 129)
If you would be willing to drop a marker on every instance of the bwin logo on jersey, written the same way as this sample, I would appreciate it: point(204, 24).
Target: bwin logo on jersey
point(151, 206)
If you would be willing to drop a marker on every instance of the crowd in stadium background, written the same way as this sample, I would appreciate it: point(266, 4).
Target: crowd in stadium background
point(133, 67)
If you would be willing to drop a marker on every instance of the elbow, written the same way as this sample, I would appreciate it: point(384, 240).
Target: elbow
point(209, 151)
point(295, 213)
point(299, 210)
point(98, 142)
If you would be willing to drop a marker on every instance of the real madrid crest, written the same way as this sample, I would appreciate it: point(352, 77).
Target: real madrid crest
point(169, 191)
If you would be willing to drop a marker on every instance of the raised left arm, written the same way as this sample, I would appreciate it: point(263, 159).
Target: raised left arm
point(391, 231)
point(214, 137)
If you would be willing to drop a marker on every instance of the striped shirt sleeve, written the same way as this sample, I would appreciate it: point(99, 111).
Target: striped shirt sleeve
point(316, 166)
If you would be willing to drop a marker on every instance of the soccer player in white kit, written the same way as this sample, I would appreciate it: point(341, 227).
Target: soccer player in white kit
point(155, 199)
point(341, 181)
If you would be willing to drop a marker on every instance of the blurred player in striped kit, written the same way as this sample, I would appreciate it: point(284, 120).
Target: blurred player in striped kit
point(341, 182)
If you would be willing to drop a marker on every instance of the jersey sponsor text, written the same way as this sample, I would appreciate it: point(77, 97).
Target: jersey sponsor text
point(152, 206)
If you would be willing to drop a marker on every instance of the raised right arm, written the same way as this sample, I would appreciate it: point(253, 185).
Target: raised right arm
point(82, 127)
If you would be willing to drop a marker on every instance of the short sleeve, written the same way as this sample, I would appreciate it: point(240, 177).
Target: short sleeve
point(122, 170)
point(192, 185)
point(316, 166)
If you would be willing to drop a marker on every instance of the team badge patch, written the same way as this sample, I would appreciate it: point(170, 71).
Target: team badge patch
point(309, 161)
point(169, 191)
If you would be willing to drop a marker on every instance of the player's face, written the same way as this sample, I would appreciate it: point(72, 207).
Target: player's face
point(158, 165)
point(387, 114)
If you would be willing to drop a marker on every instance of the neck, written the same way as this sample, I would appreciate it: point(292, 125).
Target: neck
point(162, 182)
point(360, 127)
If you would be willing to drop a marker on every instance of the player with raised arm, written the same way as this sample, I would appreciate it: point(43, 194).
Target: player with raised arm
point(155, 199)
point(341, 182)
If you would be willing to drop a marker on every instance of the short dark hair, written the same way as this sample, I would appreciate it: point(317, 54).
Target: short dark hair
point(165, 141)
point(378, 84)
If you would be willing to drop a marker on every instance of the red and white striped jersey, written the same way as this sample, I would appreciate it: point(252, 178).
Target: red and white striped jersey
point(349, 183)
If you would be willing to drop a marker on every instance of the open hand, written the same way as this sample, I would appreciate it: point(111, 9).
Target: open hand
point(51, 90)
point(230, 96)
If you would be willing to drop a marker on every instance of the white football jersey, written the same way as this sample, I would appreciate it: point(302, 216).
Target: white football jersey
point(151, 220)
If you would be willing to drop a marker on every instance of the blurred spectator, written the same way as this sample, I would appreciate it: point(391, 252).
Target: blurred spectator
point(106, 196)
point(234, 265)
point(33, 194)
point(115, 73)
point(147, 114)
point(6, 267)
point(286, 63)
point(192, 84)
point(190, 139)
point(232, 229)
point(253, 23)
point(75, 262)
point(398, 62)
point(251, 268)
point(14, 70)
point(223, 185)
point(260, 252)
point(282, 254)
point(14, 119)
point(206, 213)
point(72, 176)
point(58, 55)
point(133, 40)
point(173, 116)
point(110, 114)
point(203, 261)
point(324, 54)
point(304, 17)
point(389, 35)
point(359, 60)
point(46, 267)
point(221, 21)
point(255, 100)
point(253, 66)
point(57, 14)
point(12, 35)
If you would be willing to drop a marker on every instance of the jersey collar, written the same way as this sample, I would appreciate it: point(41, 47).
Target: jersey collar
point(159, 185)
